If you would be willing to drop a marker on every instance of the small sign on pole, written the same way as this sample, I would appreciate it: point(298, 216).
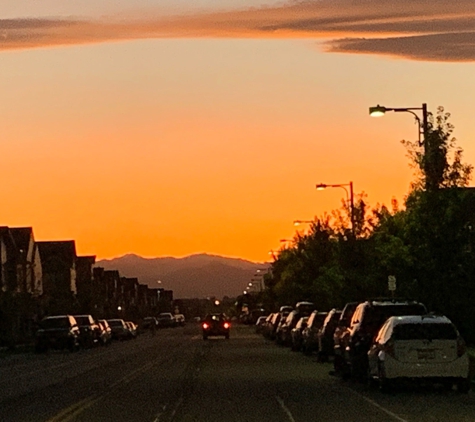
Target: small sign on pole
point(392, 283)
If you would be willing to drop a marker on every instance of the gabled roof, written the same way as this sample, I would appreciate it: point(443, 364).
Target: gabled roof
point(22, 236)
point(6, 235)
point(64, 251)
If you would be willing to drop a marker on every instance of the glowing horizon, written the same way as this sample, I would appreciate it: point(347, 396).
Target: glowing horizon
point(208, 132)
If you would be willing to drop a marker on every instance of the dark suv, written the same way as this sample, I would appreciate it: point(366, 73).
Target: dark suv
point(215, 325)
point(366, 321)
point(57, 332)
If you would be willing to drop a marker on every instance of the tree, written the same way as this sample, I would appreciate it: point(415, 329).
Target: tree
point(438, 161)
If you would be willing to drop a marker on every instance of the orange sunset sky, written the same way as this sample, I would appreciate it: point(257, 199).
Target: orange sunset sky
point(177, 127)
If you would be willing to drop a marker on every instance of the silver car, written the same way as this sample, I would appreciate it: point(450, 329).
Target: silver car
point(419, 348)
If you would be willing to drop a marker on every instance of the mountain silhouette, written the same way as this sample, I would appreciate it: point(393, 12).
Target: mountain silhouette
point(194, 276)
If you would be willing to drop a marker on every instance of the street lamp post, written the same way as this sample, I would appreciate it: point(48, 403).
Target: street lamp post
point(349, 199)
point(379, 111)
point(423, 126)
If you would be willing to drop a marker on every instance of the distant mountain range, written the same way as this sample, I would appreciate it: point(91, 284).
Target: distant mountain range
point(195, 276)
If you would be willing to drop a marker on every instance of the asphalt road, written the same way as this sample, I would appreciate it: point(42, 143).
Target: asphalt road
point(176, 376)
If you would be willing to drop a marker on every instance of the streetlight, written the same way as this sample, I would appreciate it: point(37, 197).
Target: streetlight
point(379, 111)
point(349, 199)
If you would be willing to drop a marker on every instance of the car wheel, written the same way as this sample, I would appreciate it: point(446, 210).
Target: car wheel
point(337, 364)
point(463, 385)
point(72, 347)
point(371, 382)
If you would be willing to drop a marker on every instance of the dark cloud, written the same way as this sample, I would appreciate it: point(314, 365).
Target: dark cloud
point(412, 29)
point(448, 47)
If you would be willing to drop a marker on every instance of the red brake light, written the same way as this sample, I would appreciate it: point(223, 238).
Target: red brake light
point(205, 326)
point(227, 325)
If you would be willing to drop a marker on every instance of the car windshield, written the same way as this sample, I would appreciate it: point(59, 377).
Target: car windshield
point(215, 317)
point(425, 331)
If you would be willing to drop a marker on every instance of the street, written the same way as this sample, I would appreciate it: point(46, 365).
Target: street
point(176, 376)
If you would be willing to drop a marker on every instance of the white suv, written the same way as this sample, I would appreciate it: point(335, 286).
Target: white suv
point(414, 347)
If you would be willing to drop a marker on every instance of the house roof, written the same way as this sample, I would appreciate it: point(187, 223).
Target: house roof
point(22, 236)
point(64, 251)
point(86, 260)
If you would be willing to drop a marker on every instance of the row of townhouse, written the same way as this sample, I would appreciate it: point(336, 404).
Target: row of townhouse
point(47, 278)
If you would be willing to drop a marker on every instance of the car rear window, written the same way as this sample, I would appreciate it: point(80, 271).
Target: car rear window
point(425, 331)
point(55, 323)
point(115, 323)
point(82, 320)
point(376, 315)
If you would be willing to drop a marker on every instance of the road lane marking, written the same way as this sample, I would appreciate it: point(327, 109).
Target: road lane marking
point(159, 414)
point(175, 408)
point(377, 405)
point(66, 414)
point(285, 409)
point(71, 412)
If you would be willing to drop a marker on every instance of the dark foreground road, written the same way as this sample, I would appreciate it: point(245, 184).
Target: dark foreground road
point(176, 376)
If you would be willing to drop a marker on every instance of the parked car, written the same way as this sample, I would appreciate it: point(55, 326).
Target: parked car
point(368, 318)
point(90, 331)
point(271, 326)
point(260, 324)
point(106, 332)
point(341, 331)
point(296, 334)
point(325, 335)
point(283, 334)
point(57, 332)
point(119, 329)
point(215, 325)
point(426, 347)
point(310, 333)
point(132, 329)
point(149, 323)
point(166, 320)
point(180, 320)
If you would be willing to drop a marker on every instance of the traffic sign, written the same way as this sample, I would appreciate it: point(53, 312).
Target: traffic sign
point(392, 283)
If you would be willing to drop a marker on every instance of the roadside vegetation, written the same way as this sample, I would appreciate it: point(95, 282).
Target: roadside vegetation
point(427, 243)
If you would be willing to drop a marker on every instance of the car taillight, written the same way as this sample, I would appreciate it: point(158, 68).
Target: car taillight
point(388, 348)
point(205, 326)
point(461, 347)
point(227, 325)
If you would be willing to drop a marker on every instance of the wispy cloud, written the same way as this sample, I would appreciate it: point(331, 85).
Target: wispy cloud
point(418, 30)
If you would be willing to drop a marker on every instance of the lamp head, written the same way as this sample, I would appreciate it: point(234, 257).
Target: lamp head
point(321, 186)
point(297, 223)
point(377, 111)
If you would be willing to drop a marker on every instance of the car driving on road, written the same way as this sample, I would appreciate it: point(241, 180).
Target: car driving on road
point(215, 325)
